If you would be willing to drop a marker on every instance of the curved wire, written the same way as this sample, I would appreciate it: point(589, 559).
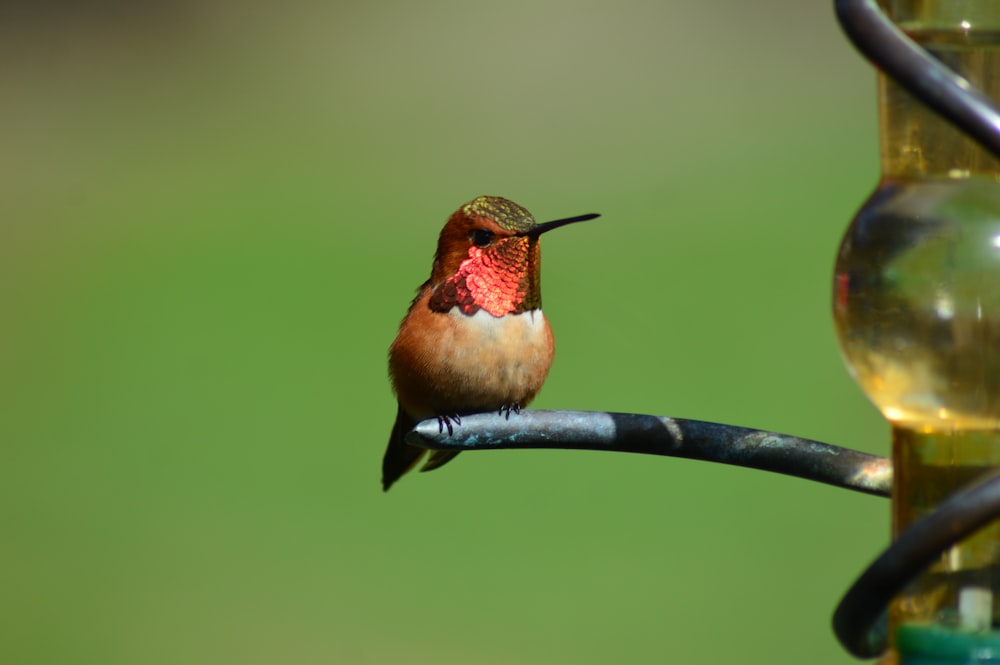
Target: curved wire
point(938, 87)
point(859, 620)
point(659, 435)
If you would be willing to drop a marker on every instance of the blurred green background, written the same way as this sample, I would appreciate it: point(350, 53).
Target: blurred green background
point(212, 218)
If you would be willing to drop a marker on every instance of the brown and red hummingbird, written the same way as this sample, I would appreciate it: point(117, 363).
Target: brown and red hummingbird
point(475, 338)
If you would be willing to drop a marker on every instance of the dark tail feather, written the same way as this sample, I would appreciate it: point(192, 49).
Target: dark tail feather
point(438, 459)
point(400, 457)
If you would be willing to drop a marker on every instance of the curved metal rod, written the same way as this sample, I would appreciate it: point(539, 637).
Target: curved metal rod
point(938, 87)
point(657, 435)
point(859, 620)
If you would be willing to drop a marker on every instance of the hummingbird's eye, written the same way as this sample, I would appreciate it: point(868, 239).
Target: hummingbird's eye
point(481, 237)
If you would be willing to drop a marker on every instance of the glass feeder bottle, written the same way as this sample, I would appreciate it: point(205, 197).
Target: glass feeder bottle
point(917, 309)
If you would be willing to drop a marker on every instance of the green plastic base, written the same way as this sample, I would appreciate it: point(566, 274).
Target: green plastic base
point(934, 645)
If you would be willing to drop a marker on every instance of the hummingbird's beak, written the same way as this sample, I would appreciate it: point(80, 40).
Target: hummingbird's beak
point(539, 229)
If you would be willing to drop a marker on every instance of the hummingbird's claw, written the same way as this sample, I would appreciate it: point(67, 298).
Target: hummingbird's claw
point(507, 408)
point(446, 421)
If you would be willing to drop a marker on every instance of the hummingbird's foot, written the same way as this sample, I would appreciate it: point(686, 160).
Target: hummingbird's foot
point(446, 421)
point(507, 408)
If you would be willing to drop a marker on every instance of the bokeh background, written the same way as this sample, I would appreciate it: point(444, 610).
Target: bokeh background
point(213, 215)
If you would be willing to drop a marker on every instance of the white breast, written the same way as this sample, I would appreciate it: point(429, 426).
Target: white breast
point(497, 360)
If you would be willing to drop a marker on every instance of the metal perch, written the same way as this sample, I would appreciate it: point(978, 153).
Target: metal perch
point(670, 437)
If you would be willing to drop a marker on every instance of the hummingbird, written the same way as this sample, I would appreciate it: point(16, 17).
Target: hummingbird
point(474, 338)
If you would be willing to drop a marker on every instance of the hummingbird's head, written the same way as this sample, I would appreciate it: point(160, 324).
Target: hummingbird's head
point(488, 257)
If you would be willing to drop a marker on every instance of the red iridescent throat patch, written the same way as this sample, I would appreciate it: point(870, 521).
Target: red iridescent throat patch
point(501, 279)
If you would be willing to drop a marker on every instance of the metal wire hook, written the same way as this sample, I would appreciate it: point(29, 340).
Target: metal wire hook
point(670, 437)
point(939, 88)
